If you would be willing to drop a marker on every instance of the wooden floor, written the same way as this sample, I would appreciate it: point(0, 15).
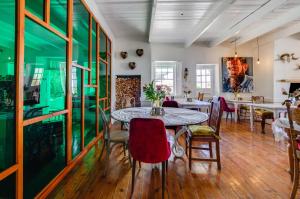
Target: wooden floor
point(253, 166)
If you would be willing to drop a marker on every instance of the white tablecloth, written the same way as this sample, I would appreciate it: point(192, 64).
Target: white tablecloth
point(278, 127)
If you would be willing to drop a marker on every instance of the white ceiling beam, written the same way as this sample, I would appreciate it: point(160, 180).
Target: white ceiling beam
point(204, 25)
point(254, 16)
point(289, 16)
point(152, 20)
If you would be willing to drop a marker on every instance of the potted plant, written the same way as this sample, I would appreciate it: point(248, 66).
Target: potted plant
point(155, 94)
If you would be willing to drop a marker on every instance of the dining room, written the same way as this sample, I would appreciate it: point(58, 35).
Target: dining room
point(150, 99)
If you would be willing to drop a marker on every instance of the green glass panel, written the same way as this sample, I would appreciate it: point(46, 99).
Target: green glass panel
point(89, 115)
point(94, 51)
point(76, 110)
point(103, 45)
point(7, 84)
point(44, 71)
point(109, 81)
point(58, 14)
point(100, 127)
point(107, 113)
point(8, 187)
point(36, 7)
point(80, 34)
point(44, 153)
point(102, 80)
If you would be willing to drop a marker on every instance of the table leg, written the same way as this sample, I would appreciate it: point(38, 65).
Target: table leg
point(178, 150)
point(235, 112)
point(251, 118)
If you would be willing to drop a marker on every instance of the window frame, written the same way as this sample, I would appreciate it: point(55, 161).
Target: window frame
point(212, 68)
point(175, 67)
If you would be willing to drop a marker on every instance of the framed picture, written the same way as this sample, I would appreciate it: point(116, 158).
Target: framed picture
point(237, 74)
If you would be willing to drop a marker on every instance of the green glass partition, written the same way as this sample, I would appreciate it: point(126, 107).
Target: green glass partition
point(44, 153)
point(103, 45)
point(101, 105)
point(89, 115)
point(7, 85)
point(44, 71)
point(8, 187)
point(109, 79)
point(80, 34)
point(94, 52)
point(58, 17)
point(36, 7)
point(102, 80)
point(76, 110)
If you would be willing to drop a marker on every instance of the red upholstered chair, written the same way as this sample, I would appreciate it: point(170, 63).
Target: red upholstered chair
point(148, 143)
point(170, 103)
point(226, 108)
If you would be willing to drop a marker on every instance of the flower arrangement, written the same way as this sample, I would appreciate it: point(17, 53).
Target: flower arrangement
point(156, 93)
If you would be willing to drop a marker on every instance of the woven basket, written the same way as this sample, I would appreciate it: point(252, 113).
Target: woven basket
point(296, 115)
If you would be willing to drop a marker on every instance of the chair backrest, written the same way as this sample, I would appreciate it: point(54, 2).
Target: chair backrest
point(293, 116)
point(170, 103)
point(215, 116)
point(105, 122)
point(223, 103)
point(258, 99)
point(200, 96)
point(148, 140)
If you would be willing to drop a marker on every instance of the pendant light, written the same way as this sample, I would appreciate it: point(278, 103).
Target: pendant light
point(258, 61)
point(235, 51)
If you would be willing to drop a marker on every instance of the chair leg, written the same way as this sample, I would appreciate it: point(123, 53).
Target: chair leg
point(124, 149)
point(227, 113)
point(231, 116)
point(140, 165)
point(190, 153)
point(218, 154)
point(133, 175)
point(296, 179)
point(163, 170)
point(210, 150)
point(263, 124)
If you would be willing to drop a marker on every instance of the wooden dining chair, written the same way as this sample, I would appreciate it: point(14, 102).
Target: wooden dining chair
point(261, 115)
point(206, 133)
point(112, 137)
point(294, 146)
point(200, 96)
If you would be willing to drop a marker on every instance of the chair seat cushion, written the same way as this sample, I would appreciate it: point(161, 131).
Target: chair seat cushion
point(263, 112)
point(199, 130)
point(244, 107)
point(119, 136)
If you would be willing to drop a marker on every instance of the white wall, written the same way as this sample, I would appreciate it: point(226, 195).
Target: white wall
point(285, 70)
point(266, 74)
point(120, 66)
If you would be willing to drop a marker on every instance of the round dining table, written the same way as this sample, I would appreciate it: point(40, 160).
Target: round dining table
point(173, 117)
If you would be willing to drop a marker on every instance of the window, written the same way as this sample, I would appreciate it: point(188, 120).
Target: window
point(205, 77)
point(38, 75)
point(164, 73)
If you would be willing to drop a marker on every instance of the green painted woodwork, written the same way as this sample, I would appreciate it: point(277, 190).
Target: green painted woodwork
point(8, 187)
point(103, 39)
point(44, 153)
point(7, 85)
point(94, 51)
point(44, 71)
point(58, 15)
point(109, 78)
point(76, 111)
point(36, 7)
point(102, 80)
point(89, 114)
point(80, 34)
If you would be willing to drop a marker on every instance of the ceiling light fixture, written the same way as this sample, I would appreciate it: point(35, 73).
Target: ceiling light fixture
point(181, 13)
point(235, 51)
point(258, 61)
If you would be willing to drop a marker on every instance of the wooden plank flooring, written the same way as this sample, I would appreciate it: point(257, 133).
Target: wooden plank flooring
point(253, 166)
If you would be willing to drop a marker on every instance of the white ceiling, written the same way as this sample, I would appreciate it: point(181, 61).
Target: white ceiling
point(207, 21)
